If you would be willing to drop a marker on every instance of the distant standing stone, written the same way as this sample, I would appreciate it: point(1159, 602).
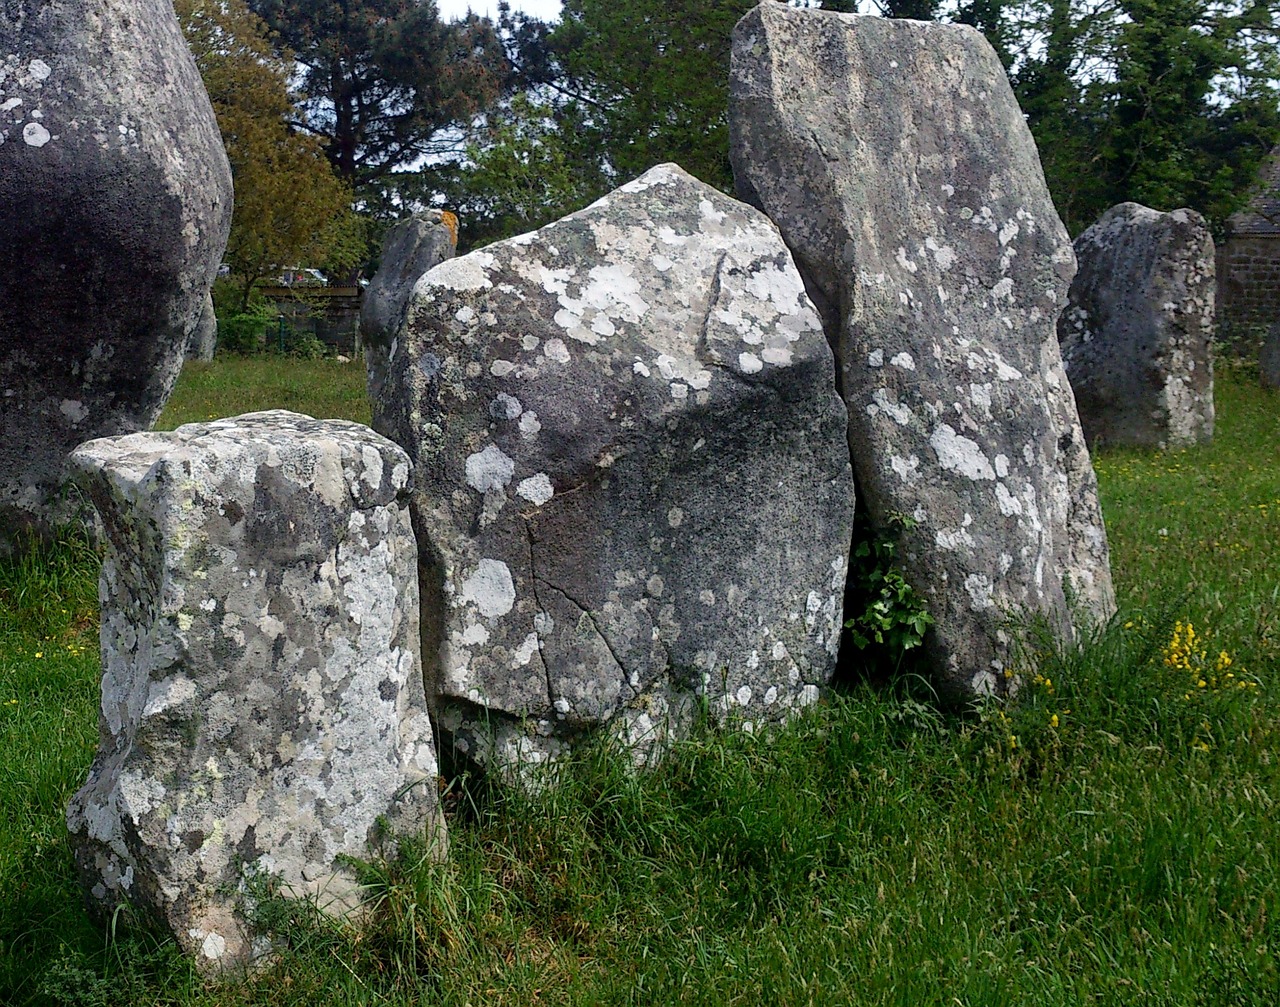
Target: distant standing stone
point(262, 697)
point(1269, 358)
point(204, 337)
point(634, 486)
point(894, 159)
point(411, 248)
point(1137, 335)
point(115, 203)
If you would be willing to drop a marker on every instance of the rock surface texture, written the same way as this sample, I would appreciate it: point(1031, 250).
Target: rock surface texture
point(115, 203)
point(411, 248)
point(895, 161)
point(633, 482)
point(262, 697)
point(1137, 334)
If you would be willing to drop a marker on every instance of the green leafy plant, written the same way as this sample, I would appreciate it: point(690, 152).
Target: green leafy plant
point(306, 346)
point(893, 616)
point(244, 332)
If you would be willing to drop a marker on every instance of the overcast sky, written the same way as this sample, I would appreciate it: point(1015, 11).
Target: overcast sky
point(548, 10)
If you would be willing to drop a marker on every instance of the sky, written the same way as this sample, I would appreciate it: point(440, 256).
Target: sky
point(548, 10)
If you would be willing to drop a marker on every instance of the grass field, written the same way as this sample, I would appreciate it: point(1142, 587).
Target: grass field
point(232, 385)
point(1111, 838)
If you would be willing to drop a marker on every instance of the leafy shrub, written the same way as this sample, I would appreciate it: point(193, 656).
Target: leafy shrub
point(887, 610)
point(305, 346)
point(242, 333)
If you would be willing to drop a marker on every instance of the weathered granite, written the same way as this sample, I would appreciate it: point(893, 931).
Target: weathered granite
point(895, 161)
point(262, 698)
point(1137, 333)
point(411, 247)
point(633, 486)
point(115, 204)
point(204, 337)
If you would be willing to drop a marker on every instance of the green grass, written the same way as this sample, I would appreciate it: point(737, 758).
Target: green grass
point(230, 385)
point(879, 852)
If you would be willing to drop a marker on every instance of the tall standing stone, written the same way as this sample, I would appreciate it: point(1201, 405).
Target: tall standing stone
point(204, 337)
point(411, 248)
point(1269, 358)
point(633, 483)
point(895, 161)
point(115, 203)
point(263, 715)
point(1137, 334)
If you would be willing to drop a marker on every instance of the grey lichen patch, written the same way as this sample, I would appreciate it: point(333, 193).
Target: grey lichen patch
point(262, 696)
point(1137, 332)
point(632, 473)
point(916, 209)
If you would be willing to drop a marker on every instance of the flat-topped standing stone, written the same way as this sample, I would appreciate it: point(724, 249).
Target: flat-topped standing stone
point(895, 161)
point(411, 248)
point(633, 483)
point(115, 203)
point(262, 696)
point(1137, 334)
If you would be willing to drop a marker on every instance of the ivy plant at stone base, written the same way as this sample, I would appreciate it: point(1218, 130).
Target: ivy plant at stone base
point(889, 614)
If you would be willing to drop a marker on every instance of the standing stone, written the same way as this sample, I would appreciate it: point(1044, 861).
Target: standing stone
point(633, 482)
point(204, 337)
point(1269, 359)
point(410, 249)
point(262, 701)
point(115, 203)
point(1137, 334)
point(895, 161)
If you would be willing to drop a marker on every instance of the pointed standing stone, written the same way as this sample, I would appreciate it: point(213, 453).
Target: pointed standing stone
point(633, 484)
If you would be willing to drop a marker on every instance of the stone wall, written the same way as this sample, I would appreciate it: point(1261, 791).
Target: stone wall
point(1249, 280)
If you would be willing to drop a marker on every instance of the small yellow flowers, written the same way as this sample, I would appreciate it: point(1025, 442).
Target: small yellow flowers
point(1053, 721)
point(39, 653)
point(1044, 682)
point(1186, 653)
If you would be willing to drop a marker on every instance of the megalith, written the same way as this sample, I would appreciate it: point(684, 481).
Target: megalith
point(1269, 358)
point(410, 248)
point(634, 496)
point(204, 337)
point(1137, 332)
point(263, 715)
point(115, 203)
point(895, 161)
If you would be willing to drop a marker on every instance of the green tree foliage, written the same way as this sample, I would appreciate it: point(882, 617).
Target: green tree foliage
point(522, 170)
point(652, 79)
point(290, 209)
point(387, 82)
point(1166, 102)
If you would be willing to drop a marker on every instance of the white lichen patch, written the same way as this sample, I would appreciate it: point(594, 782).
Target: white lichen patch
point(490, 588)
point(959, 454)
point(490, 469)
point(466, 273)
point(537, 489)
